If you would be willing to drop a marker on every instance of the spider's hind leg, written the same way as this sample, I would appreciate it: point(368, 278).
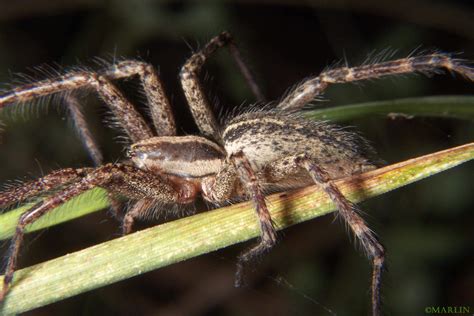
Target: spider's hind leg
point(305, 92)
point(347, 210)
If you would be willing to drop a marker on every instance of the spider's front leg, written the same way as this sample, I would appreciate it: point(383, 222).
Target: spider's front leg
point(158, 103)
point(288, 166)
point(130, 120)
point(129, 181)
point(197, 99)
point(47, 183)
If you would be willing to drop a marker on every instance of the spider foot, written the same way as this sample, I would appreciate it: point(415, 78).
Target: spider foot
point(239, 276)
point(267, 242)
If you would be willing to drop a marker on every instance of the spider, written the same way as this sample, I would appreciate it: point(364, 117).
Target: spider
point(266, 149)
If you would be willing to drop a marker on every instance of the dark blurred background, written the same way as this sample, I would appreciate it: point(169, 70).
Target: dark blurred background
point(426, 227)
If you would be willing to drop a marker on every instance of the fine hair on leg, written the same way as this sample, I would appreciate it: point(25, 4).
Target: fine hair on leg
point(82, 128)
point(305, 92)
point(193, 89)
point(348, 212)
point(129, 181)
point(129, 119)
point(268, 237)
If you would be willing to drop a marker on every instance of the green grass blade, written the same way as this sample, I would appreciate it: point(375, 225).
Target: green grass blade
point(188, 237)
point(461, 107)
point(91, 201)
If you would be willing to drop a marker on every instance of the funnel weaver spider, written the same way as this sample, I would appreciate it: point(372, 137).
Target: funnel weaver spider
point(252, 153)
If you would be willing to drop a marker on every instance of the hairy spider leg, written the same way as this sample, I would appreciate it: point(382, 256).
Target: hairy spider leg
point(160, 111)
point(194, 92)
point(82, 128)
point(75, 110)
point(305, 92)
point(267, 230)
point(309, 89)
point(159, 105)
point(346, 209)
point(244, 70)
point(41, 185)
point(138, 209)
point(131, 121)
point(129, 181)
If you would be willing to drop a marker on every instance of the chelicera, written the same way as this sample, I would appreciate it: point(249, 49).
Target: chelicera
point(267, 149)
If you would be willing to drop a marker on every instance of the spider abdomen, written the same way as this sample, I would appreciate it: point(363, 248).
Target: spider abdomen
point(270, 137)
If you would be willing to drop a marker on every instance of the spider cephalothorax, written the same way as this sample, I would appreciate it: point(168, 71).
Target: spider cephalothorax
point(254, 152)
